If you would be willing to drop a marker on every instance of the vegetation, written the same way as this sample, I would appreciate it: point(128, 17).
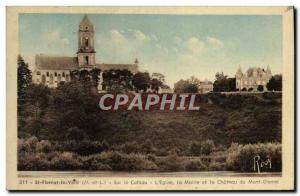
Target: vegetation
point(34, 154)
point(223, 83)
point(63, 129)
point(190, 85)
point(275, 83)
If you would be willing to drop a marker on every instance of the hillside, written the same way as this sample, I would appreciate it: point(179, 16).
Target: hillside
point(228, 119)
point(64, 129)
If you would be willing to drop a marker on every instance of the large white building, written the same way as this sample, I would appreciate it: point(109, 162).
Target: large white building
point(50, 70)
point(253, 77)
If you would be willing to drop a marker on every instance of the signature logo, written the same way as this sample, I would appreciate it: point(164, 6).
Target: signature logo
point(261, 163)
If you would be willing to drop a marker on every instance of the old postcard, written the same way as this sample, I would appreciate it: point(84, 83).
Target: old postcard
point(150, 98)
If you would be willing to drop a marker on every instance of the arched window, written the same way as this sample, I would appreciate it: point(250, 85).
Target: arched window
point(63, 74)
point(86, 60)
point(43, 79)
point(51, 79)
point(67, 77)
point(86, 41)
point(58, 78)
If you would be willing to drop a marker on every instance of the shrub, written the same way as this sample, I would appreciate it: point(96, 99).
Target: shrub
point(272, 95)
point(23, 146)
point(260, 88)
point(33, 162)
point(195, 148)
point(195, 165)
point(129, 147)
point(44, 146)
point(126, 162)
point(201, 148)
point(207, 147)
point(85, 147)
point(217, 166)
point(66, 161)
point(171, 163)
point(241, 157)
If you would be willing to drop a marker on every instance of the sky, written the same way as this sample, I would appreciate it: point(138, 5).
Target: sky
point(178, 46)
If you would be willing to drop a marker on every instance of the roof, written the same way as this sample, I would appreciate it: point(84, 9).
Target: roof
point(44, 62)
point(131, 67)
point(86, 24)
point(255, 71)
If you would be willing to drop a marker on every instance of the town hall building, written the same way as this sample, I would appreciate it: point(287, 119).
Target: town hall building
point(50, 70)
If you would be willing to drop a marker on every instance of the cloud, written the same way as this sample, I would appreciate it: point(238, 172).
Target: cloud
point(215, 42)
point(54, 38)
point(140, 36)
point(154, 37)
point(117, 36)
point(194, 44)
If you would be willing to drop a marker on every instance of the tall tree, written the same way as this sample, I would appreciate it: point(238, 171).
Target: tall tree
point(141, 81)
point(275, 83)
point(221, 83)
point(116, 80)
point(24, 78)
point(157, 81)
point(95, 76)
point(190, 85)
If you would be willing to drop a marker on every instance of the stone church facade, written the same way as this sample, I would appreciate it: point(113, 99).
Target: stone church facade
point(253, 77)
point(50, 70)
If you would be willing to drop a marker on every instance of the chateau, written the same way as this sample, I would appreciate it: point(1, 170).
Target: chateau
point(50, 70)
point(254, 77)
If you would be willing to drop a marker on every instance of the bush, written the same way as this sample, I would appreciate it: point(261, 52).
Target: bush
point(33, 162)
point(66, 161)
point(126, 162)
point(272, 95)
point(171, 162)
point(217, 166)
point(201, 148)
point(44, 146)
point(195, 165)
point(241, 157)
point(85, 147)
point(260, 88)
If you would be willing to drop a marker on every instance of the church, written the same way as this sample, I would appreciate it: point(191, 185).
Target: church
point(50, 70)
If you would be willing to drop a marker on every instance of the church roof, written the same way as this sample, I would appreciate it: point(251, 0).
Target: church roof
point(44, 62)
point(131, 67)
point(86, 24)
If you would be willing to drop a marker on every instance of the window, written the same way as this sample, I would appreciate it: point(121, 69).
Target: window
point(43, 79)
point(47, 74)
point(86, 28)
point(63, 74)
point(38, 73)
point(51, 79)
point(59, 78)
point(55, 74)
point(86, 41)
point(67, 77)
point(86, 60)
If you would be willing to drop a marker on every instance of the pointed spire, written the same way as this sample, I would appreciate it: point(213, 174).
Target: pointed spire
point(136, 61)
point(269, 70)
point(239, 72)
point(86, 24)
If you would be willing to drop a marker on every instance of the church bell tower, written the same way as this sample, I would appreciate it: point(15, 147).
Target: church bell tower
point(86, 52)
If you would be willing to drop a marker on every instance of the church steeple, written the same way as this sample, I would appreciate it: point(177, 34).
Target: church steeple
point(86, 39)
